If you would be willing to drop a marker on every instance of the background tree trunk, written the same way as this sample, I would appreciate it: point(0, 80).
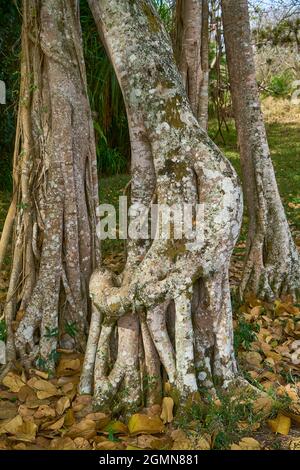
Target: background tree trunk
point(272, 265)
point(188, 168)
point(191, 46)
point(55, 178)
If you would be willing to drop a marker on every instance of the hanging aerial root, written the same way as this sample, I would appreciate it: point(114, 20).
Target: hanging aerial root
point(156, 321)
point(87, 376)
point(7, 229)
point(152, 385)
point(184, 341)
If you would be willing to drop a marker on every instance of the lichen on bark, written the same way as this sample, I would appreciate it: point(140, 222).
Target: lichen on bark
point(187, 168)
point(55, 190)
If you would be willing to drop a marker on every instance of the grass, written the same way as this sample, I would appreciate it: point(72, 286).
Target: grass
point(230, 419)
point(111, 188)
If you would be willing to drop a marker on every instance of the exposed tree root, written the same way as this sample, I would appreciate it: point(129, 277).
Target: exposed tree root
point(272, 266)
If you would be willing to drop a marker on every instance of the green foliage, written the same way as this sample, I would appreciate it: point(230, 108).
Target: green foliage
point(40, 363)
point(10, 26)
point(3, 330)
point(282, 33)
point(106, 100)
point(164, 9)
point(285, 148)
point(43, 364)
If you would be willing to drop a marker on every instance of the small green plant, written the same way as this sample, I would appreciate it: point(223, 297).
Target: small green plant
point(276, 444)
point(280, 85)
point(110, 160)
point(40, 363)
point(112, 437)
point(54, 356)
point(71, 329)
point(288, 376)
point(22, 206)
point(245, 334)
point(280, 403)
point(221, 420)
point(150, 381)
point(51, 332)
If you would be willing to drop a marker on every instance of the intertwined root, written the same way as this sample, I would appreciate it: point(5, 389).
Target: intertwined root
point(201, 355)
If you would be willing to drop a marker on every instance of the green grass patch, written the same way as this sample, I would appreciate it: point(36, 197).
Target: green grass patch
point(284, 142)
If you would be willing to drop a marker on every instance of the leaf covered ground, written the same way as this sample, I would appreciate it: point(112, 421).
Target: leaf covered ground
point(39, 412)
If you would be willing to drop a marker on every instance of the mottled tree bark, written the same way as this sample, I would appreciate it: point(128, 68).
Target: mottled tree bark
point(188, 168)
point(272, 265)
point(191, 51)
point(55, 177)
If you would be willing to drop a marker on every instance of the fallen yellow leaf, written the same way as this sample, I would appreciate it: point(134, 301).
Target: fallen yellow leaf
point(101, 419)
point(68, 367)
point(85, 428)
point(263, 404)
point(147, 441)
point(116, 427)
point(11, 426)
point(81, 443)
point(62, 443)
point(57, 424)
point(253, 358)
point(143, 424)
point(167, 410)
point(280, 425)
point(44, 388)
point(13, 382)
point(69, 418)
point(44, 411)
point(247, 443)
point(62, 404)
point(26, 432)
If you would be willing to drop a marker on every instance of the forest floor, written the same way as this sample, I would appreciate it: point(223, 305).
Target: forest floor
point(38, 412)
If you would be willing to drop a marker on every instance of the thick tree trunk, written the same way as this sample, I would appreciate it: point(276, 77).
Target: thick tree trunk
point(55, 249)
point(191, 52)
point(272, 265)
point(188, 168)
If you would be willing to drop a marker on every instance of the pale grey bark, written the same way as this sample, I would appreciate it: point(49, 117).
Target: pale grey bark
point(188, 169)
point(191, 51)
point(272, 266)
point(55, 248)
